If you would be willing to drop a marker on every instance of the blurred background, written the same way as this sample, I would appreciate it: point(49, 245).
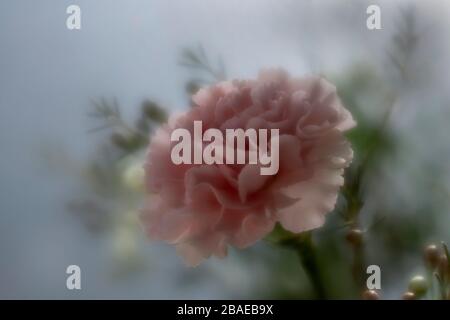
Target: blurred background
point(77, 108)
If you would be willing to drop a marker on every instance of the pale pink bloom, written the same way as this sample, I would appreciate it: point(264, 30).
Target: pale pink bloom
point(202, 209)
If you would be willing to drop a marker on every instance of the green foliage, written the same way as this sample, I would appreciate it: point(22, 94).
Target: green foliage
point(203, 72)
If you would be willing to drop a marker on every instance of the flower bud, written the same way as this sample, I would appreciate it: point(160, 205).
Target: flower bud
point(418, 285)
point(370, 295)
point(354, 237)
point(409, 296)
point(431, 256)
point(133, 177)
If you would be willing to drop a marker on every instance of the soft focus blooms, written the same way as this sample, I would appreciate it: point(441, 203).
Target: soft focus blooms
point(202, 209)
point(132, 173)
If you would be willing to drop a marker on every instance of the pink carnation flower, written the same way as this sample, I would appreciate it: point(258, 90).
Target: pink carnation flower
point(202, 208)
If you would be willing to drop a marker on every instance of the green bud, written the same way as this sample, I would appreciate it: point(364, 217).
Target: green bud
point(418, 285)
point(133, 177)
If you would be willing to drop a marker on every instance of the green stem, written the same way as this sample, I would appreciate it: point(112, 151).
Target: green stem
point(358, 267)
point(306, 251)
